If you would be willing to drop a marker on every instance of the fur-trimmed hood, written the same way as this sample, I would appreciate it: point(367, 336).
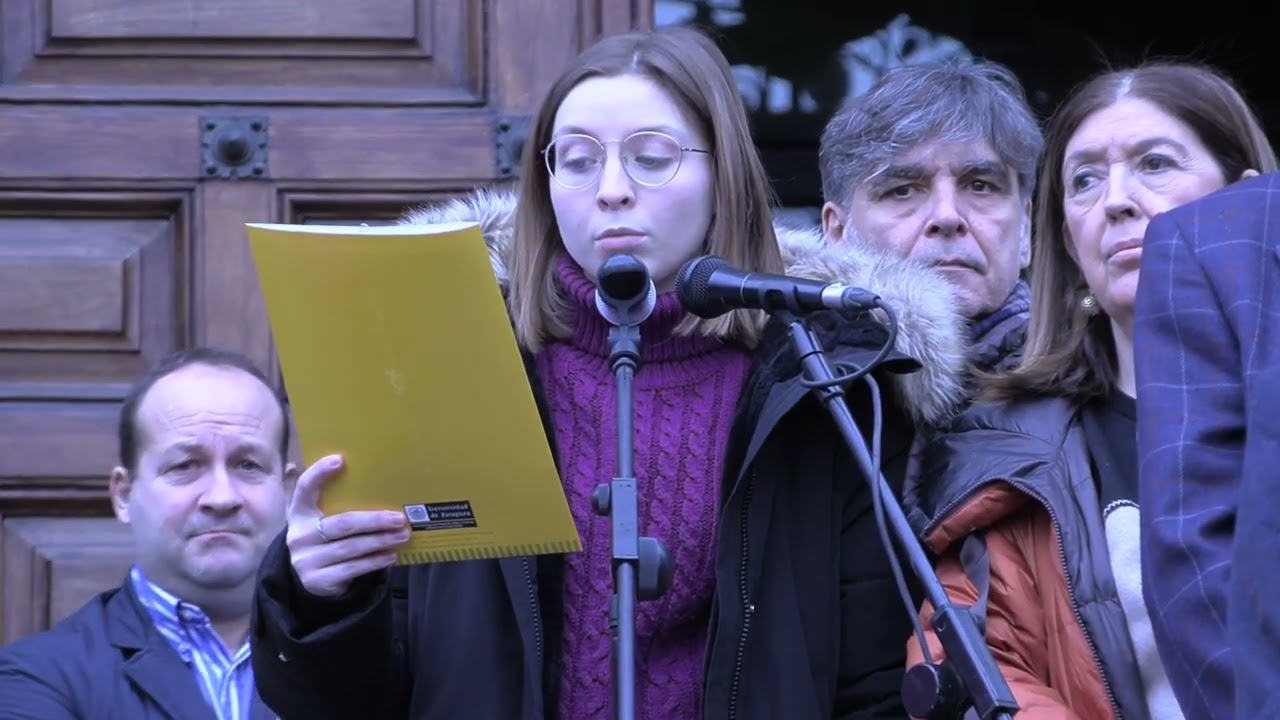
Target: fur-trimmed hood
point(930, 329)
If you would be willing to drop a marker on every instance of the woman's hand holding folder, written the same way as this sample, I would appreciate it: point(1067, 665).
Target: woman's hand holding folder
point(330, 551)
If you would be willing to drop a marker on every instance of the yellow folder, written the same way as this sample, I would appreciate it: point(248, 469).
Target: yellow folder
point(398, 353)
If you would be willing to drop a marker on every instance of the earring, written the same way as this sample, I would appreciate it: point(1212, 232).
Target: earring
point(1089, 304)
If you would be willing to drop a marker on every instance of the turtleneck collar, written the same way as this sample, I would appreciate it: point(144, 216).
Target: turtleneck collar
point(658, 341)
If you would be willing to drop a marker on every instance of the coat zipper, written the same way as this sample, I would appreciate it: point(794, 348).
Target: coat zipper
point(1066, 575)
point(533, 605)
point(747, 607)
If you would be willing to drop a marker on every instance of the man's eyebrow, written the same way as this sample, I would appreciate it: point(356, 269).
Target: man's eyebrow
point(250, 447)
point(186, 447)
point(991, 168)
point(897, 172)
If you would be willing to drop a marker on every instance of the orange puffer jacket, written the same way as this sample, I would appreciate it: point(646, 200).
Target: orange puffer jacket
point(1016, 478)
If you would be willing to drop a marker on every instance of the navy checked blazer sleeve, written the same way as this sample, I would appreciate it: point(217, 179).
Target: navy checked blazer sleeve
point(1189, 404)
point(1204, 318)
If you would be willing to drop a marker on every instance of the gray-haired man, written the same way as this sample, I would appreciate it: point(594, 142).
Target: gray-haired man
point(937, 163)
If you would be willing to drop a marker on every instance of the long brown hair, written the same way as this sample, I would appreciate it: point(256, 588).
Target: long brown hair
point(1068, 353)
point(689, 66)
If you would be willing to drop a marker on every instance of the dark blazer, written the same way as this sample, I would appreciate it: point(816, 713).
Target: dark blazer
point(104, 662)
point(1207, 350)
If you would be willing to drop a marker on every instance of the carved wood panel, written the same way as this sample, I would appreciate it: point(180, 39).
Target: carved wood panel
point(54, 565)
point(404, 52)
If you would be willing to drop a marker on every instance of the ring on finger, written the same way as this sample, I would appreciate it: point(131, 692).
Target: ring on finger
point(320, 530)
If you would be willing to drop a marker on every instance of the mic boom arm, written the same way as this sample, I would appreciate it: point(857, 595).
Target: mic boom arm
point(968, 674)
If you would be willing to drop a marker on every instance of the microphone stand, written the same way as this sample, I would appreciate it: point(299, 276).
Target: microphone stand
point(641, 568)
point(932, 691)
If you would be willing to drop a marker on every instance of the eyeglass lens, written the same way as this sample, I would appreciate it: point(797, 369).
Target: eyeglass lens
point(650, 158)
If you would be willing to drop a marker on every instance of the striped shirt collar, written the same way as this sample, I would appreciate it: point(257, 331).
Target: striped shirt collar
point(225, 678)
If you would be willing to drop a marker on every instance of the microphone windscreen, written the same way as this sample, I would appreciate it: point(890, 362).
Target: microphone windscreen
point(623, 279)
point(624, 293)
point(693, 284)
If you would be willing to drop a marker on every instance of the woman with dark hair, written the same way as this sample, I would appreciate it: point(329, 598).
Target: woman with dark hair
point(1032, 500)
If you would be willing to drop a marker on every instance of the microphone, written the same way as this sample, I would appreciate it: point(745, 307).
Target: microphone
point(708, 287)
point(624, 293)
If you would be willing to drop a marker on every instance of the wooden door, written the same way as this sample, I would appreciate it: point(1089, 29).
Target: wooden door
point(136, 139)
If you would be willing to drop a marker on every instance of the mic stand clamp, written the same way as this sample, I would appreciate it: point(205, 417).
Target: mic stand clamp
point(968, 676)
point(641, 568)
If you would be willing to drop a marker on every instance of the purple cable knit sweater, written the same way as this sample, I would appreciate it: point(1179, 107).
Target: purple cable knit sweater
point(686, 391)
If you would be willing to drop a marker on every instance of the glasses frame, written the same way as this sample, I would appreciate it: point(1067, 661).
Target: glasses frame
point(546, 158)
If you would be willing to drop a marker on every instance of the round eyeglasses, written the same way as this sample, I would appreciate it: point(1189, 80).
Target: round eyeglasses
point(650, 158)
